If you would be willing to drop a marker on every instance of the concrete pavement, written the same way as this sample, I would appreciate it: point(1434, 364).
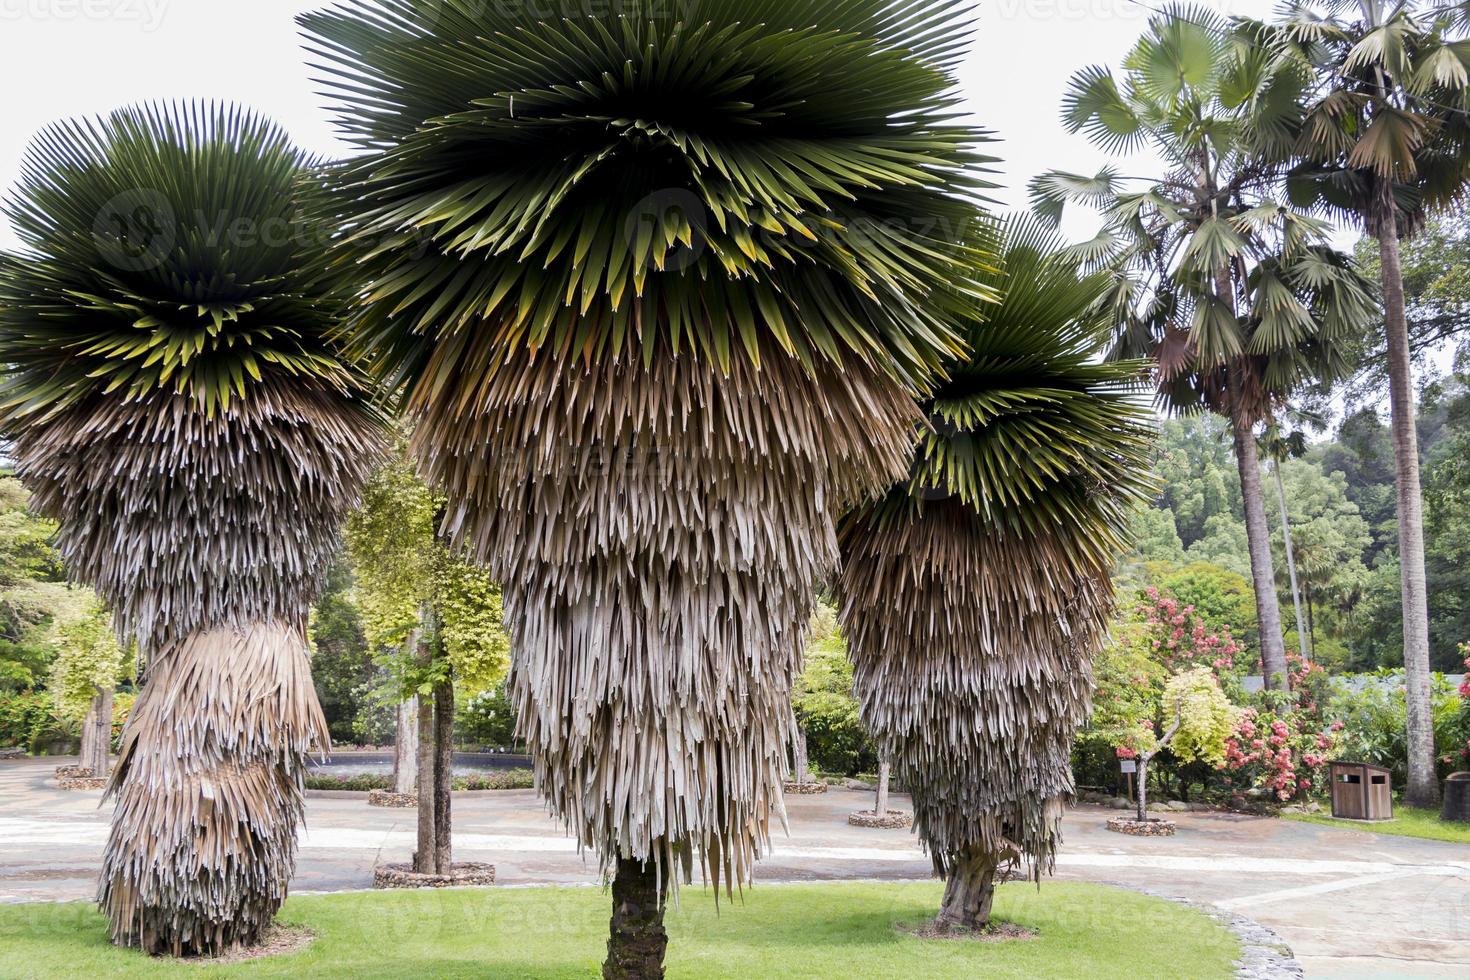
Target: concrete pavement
point(1352, 904)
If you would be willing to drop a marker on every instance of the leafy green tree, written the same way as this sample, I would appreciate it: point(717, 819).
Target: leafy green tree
point(89, 665)
point(1232, 292)
point(435, 623)
point(1383, 138)
point(656, 284)
point(342, 668)
point(1329, 537)
point(827, 711)
point(173, 403)
point(975, 593)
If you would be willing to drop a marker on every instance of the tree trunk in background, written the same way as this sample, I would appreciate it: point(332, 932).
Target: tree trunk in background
point(406, 748)
point(97, 734)
point(637, 939)
point(443, 774)
point(1302, 627)
point(969, 891)
point(428, 844)
point(1142, 778)
point(880, 807)
point(798, 754)
point(1258, 536)
point(1423, 788)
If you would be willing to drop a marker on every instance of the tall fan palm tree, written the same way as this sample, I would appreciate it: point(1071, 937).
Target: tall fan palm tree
point(1232, 292)
point(173, 404)
point(1384, 140)
point(655, 284)
point(975, 594)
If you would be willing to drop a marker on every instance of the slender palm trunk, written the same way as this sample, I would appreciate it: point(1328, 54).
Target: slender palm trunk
point(97, 734)
point(880, 806)
point(1296, 593)
point(969, 890)
point(637, 938)
point(1258, 538)
point(798, 753)
point(1423, 789)
point(209, 790)
point(443, 774)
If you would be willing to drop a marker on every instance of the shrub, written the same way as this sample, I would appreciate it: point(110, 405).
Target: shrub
point(363, 782)
point(25, 718)
point(1372, 712)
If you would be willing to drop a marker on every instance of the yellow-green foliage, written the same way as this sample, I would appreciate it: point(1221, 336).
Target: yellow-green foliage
point(403, 570)
point(470, 625)
point(88, 660)
point(1206, 717)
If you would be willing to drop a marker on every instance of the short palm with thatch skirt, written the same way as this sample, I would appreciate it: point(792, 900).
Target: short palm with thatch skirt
point(975, 594)
point(654, 278)
point(174, 406)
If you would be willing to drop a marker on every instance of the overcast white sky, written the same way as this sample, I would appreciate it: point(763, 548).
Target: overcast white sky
point(63, 58)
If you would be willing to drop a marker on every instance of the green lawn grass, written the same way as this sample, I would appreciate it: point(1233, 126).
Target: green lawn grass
point(786, 931)
point(1406, 822)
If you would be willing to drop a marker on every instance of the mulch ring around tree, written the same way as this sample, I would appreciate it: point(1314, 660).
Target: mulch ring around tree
point(462, 874)
point(279, 940)
point(997, 931)
point(1142, 828)
point(805, 788)
point(894, 820)
point(386, 797)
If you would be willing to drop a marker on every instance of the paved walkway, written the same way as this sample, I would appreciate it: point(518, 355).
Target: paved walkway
point(1351, 904)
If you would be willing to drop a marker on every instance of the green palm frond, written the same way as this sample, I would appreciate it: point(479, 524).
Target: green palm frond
point(164, 249)
point(746, 172)
point(1031, 427)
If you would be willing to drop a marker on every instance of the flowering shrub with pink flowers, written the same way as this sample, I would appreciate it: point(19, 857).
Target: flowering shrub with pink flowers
point(1279, 743)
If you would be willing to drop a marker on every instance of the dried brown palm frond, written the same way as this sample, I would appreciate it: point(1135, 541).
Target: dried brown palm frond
point(173, 403)
point(659, 532)
point(974, 595)
point(209, 789)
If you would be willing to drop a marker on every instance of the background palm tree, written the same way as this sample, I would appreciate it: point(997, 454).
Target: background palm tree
point(1231, 291)
point(655, 286)
point(174, 406)
point(1384, 140)
point(975, 594)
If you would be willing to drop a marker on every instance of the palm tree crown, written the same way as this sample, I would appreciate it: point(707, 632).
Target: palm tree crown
point(657, 288)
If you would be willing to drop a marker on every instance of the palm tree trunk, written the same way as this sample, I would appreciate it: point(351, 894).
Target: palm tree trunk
point(406, 748)
point(1296, 594)
point(880, 806)
point(1258, 537)
point(969, 891)
point(637, 939)
point(97, 734)
point(209, 790)
point(798, 753)
point(1423, 789)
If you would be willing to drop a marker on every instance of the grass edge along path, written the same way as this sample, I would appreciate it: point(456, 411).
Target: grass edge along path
point(1406, 822)
point(818, 930)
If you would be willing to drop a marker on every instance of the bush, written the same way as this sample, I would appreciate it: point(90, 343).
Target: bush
point(364, 782)
point(1372, 712)
point(25, 718)
point(488, 718)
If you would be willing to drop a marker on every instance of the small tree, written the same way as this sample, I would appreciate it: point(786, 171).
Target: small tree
point(89, 664)
point(433, 621)
point(1199, 720)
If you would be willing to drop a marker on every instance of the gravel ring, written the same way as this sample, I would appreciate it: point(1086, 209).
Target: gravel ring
point(1142, 828)
point(895, 820)
point(388, 798)
point(461, 874)
point(804, 789)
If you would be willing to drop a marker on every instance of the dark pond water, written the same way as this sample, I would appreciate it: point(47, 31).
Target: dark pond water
point(465, 763)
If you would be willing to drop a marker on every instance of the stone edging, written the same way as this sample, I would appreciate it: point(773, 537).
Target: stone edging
point(386, 797)
point(895, 820)
point(805, 789)
point(461, 874)
point(1263, 954)
point(1142, 828)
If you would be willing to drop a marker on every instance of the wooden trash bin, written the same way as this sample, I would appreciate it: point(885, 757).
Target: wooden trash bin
point(1456, 798)
point(1361, 792)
